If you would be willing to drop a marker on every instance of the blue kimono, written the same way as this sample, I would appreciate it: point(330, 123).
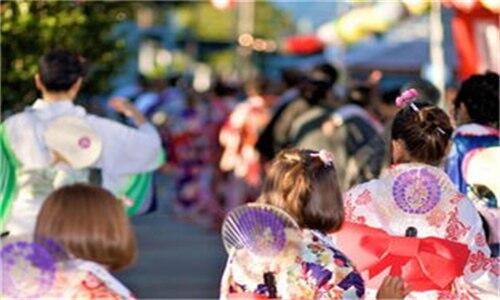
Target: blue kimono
point(467, 138)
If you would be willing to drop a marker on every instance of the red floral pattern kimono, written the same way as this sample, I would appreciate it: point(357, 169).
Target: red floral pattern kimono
point(240, 157)
point(423, 197)
point(79, 279)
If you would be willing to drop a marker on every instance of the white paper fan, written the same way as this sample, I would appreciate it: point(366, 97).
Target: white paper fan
point(259, 228)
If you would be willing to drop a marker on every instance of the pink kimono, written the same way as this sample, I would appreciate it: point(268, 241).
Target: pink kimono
point(418, 200)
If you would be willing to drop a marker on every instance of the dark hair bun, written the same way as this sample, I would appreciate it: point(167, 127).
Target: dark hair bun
point(426, 133)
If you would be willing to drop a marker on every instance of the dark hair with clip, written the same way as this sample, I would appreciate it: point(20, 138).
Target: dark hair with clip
point(307, 188)
point(426, 133)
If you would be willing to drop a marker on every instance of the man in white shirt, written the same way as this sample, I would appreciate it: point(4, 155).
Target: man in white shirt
point(39, 158)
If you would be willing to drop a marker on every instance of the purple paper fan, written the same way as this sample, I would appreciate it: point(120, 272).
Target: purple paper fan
point(28, 270)
point(258, 228)
point(416, 191)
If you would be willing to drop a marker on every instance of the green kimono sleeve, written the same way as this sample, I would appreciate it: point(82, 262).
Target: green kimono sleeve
point(138, 188)
point(8, 170)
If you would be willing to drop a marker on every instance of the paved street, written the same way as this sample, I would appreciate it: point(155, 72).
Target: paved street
point(176, 260)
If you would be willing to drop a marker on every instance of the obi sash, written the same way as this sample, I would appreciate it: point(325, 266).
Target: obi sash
point(424, 263)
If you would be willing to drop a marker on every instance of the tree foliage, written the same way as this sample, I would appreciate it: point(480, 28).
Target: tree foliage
point(207, 23)
point(30, 28)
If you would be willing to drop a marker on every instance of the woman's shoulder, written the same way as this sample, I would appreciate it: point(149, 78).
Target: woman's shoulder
point(76, 283)
point(91, 287)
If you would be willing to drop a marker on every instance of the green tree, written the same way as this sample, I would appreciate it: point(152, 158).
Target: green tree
point(212, 25)
point(30, 28)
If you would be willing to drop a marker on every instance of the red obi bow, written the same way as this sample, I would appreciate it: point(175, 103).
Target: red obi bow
point(423, 263)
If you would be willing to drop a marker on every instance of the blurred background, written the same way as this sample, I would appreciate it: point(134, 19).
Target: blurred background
point(187, 65)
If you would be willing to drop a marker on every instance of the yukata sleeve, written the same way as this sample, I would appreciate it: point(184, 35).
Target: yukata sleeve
point(358, 205)
point(128, 150)
point(454, 166)
point(225, 281)
point(8, 163)
point(481, 273)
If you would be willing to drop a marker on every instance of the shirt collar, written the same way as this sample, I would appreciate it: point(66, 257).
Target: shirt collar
point(50, 109)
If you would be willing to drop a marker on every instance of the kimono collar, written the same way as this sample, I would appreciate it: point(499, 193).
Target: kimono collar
point(397, 168)
point(46, 110)
point(474, 129)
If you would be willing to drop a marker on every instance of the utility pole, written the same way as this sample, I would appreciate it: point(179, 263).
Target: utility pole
point(246, 16)
point(436, 49)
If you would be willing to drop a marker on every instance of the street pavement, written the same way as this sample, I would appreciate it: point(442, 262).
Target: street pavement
point(177, 260)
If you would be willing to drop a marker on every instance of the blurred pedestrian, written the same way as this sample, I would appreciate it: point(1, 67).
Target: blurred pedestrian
point(476, 112)
point(55, 142)
point(238, 137)
point(352, 132)
point(315, 90)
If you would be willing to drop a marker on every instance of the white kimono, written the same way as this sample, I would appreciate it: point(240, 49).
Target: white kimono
point(125, 151)
point(423, 197)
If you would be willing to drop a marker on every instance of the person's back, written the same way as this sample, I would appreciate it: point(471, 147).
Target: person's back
point(477, 117)
point(414, 203)
point(55, 142)
point(352, 134)
point(314, 91)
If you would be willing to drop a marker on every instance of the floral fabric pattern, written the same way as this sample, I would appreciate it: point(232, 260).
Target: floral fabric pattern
point(444, 212)
point(82, 284)
point(319, 271)
point(456, 229)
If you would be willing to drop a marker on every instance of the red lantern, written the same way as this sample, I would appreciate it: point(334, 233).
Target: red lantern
point(303, 45)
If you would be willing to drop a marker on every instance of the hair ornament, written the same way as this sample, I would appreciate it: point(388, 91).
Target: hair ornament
point(440, 130)
point(407, 98)
point(325, 156)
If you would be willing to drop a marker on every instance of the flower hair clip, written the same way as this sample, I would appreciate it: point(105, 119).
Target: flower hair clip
point(407, 97)
point(325, 156)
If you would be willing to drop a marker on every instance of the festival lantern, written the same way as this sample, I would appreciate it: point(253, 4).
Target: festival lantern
point(476, 35)
point(223, 4)
point(303, 45)
point(360, 22)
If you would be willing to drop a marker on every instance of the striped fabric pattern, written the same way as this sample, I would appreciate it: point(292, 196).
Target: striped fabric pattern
point(8, 167)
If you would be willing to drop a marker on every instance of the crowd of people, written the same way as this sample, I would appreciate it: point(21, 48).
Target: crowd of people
point(392, 196)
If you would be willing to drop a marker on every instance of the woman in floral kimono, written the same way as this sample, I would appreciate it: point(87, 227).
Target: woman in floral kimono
point(412, 221)
point(304, 184)
point(476, 114)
